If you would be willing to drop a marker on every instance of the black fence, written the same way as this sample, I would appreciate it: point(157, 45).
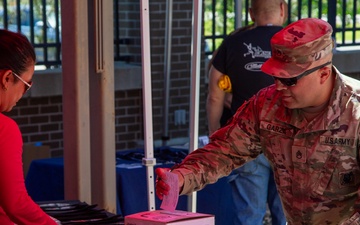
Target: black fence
point(40, 21)
point(343, 15)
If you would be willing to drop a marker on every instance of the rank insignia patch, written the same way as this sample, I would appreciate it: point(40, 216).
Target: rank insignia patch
point(299, 154)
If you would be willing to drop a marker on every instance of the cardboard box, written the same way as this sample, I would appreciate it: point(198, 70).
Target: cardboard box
point(31, 152)
point(162, 217)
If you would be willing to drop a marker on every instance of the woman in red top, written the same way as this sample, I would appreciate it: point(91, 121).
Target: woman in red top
point(17, 63)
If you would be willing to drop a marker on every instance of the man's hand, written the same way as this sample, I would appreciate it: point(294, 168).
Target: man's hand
point(162, 188)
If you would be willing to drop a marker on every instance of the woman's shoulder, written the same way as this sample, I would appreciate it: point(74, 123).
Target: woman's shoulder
point(6, 119)
point(7, 124)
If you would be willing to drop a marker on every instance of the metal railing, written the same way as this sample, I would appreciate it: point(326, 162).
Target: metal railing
point(40, 21)
point(343, 15)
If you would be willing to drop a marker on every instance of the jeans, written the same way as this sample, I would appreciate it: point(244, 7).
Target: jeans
point(253, 186)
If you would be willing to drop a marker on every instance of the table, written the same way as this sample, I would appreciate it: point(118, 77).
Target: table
point(45, 179)
point(78, 212)
point(45, 182)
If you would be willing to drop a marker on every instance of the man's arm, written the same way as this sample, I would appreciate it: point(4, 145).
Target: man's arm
point(228, 100)
point(215, 101)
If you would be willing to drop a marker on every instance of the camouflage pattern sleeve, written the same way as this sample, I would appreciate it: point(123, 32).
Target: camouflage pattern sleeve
point(229, 148)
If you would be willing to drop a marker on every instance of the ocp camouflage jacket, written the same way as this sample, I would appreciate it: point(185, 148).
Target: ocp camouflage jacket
point(316, 164)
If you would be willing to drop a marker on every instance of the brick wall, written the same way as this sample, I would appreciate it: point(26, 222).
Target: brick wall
point(129, 28)
point(40, 119)
point(128, 118)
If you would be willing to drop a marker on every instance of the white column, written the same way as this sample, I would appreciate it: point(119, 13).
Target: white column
point(76, 116)
point(102, 100)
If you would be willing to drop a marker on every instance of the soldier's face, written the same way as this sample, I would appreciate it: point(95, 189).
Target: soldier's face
point(302, 95)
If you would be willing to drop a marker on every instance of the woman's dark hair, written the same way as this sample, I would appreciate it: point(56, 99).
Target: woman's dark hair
point(16, 52)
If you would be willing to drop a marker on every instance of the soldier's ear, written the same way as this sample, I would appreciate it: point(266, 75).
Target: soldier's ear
point(325, 73)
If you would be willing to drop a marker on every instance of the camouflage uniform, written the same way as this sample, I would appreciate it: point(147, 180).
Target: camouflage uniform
point(315, 164)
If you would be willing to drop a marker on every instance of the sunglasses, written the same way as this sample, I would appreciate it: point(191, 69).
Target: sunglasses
point(27, 84)
point(293, 80)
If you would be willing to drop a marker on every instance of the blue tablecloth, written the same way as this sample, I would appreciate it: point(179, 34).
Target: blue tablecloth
point(45, 182)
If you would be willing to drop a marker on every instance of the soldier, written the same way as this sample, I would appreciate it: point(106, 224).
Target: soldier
point(239, 59)
point(307, 124)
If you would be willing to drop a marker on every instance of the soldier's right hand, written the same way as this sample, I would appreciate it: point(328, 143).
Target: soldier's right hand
point(162, 188)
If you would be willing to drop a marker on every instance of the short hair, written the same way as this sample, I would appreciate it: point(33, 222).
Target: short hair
point(265, 7)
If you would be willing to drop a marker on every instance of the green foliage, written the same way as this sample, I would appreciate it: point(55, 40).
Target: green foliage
point(219, 23)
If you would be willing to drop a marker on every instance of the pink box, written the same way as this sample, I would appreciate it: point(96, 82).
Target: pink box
point(162, 217)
